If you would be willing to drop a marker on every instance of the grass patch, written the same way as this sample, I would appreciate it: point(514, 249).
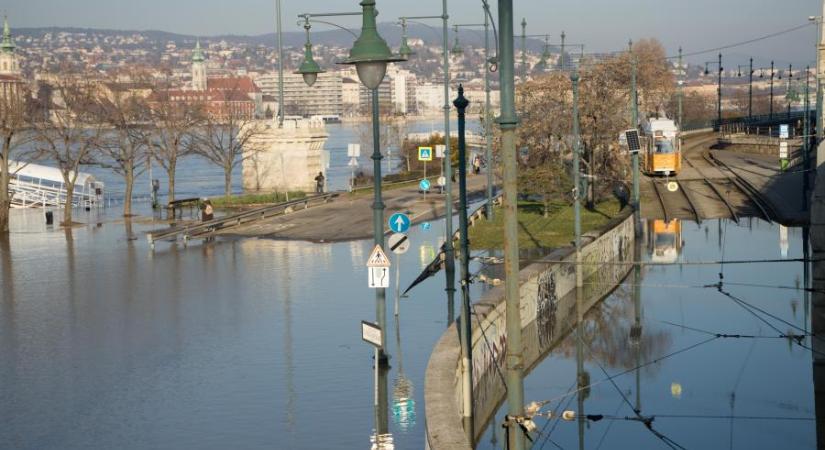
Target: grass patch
point(537, 231)
point(254, 199)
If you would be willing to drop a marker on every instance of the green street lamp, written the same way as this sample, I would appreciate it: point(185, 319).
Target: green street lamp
point(309, 69)
point(370, 54)
point(457, 50)
point(404, 50)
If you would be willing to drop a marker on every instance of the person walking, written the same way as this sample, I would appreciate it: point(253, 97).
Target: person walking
point(319, 183)
point(477, 165)
point(207, 212)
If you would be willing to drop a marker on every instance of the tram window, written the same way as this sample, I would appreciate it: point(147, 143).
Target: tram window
point(664, 147)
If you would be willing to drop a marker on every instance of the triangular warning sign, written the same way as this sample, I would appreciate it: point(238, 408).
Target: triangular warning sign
point(378, 258)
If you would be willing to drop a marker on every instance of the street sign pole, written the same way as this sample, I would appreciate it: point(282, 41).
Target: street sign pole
point(397, 282)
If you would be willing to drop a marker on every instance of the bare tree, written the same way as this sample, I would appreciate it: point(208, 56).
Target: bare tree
point(228, 133)
point(70, 134)
point(13, 123)
point(126, 146)
point(174, 125)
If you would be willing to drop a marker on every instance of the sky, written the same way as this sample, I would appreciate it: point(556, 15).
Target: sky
point(602, 25)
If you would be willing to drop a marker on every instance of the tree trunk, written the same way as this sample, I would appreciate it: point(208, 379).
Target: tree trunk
point(5, 201)
point(67, 208)
point(129, 179)
point(170, 174)
point(227, 182)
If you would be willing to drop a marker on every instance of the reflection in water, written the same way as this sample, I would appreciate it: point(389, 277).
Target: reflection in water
point(664, 241)
point(403, 397)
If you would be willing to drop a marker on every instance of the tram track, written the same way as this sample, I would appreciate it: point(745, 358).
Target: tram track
point(764, 208)
point(715, 190)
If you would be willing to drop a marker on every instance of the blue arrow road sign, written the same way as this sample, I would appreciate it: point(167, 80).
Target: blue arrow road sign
point(424, 185)
point(399, 223)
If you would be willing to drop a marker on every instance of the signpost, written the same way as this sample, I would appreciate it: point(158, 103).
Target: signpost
point(425, 153)
point(378, 266)
point(354, 152)
point(373, 334)
point(424, 185)
point(399, 223)
point(398, 243)
point(783, 148)
point(440, 149)
point(784, 131)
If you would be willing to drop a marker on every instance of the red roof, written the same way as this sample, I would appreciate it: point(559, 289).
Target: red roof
point(243, 85)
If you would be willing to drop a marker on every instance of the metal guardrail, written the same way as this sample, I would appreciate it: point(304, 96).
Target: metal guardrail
point(234, 220)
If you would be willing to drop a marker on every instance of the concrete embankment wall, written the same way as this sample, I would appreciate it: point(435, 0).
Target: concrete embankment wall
point(548, 312)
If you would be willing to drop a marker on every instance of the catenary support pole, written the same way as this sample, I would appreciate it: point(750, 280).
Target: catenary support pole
point(280, 65)
point(449, 252)
point(488, 114)
point(574, 78)
point(634, 108)
point(508, 122)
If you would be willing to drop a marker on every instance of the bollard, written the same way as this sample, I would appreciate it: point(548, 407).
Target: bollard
point(49, 218)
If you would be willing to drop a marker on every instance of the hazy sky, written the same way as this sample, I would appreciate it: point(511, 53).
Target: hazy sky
point(600, 24)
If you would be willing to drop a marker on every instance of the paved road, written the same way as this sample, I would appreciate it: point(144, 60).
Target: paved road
point(350, 218)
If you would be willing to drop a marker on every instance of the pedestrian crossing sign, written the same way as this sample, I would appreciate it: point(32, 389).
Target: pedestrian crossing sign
point(378, 258)
point(425, 153)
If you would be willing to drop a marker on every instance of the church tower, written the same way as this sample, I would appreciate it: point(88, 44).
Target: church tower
point(198, 68)
point(9, 64)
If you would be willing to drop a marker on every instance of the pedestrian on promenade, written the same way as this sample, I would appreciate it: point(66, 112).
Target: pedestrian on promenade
point(319, 183)
point(476, 165)
point(207, 212)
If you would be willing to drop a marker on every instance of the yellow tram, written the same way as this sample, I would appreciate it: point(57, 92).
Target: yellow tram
point(661, 154)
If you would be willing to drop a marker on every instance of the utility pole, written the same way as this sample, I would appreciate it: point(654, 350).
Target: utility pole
point(280, 66)
point(770, 114)
point(488, 133)
point(634, 108)
point(449, 251)
point(523, 50)
point(806, 140)
point(750, 90)
point(508, 122)
point(820, 56)
point(561, 56)
point(680, 82)
point(461, 104)
point(719, 94)
point(788, 89)
point(574, 78)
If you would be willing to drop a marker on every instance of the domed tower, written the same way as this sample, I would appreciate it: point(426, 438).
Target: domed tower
point(8, 58)
point(198, 68)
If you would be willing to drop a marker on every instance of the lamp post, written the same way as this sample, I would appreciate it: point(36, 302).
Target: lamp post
point(634, 108)
point(680, 81)
point(523, 50)
point(750, 85)
point(461, 104)
point(309, 69)
point(280, 65)
point(488, 135)
point(449, 252)
point(806, 147)
point(370, 55)
point(718, 88)
point(561, 55)
point(508, 122)
point(770, 114)
point(788, 89)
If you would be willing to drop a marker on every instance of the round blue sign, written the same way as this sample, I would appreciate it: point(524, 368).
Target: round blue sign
point(399, 223)
point(424, 185)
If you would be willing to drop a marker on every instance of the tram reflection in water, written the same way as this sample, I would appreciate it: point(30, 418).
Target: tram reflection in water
point(664, 240)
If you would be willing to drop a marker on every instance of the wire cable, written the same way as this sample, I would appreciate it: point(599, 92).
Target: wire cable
point(749, 41)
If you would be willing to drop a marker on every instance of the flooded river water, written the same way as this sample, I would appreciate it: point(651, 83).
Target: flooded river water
point(705, 367)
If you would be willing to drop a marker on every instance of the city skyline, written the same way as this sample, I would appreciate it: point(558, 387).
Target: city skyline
point(702, 25)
